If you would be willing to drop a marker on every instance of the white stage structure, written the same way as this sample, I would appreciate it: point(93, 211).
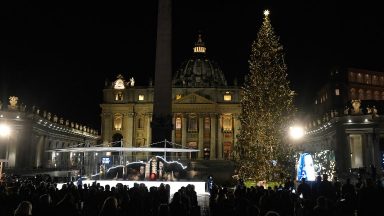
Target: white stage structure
point(92, 153)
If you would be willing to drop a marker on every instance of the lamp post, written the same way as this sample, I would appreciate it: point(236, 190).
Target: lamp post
point(296, 132)
point(5, 131)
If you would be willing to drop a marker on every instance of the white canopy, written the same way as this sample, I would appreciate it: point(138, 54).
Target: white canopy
point(121, 149)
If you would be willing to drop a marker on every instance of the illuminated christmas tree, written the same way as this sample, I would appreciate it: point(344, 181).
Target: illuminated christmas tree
point(263, 152)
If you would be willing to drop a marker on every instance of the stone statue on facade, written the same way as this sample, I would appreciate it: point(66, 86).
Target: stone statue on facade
point(61, 120)
point(72, 125)
point(66, 122)
point(45, 114)
point(13, 102)
point(49, 116)
point(356, 107)
point(369, 110)
point(374, 112)
point(55, 118)
point(132, 81)
point(346, 110)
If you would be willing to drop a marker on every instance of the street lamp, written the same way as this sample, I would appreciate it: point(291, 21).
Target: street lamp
point(5, 131)
point(296, 132)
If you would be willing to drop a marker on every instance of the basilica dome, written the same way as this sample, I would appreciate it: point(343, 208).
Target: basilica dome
point(199, 71)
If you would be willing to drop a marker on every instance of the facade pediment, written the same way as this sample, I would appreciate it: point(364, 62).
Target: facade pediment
point(193, 98)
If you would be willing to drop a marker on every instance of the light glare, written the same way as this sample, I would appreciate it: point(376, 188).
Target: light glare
point(296, 132)
point(5, 130)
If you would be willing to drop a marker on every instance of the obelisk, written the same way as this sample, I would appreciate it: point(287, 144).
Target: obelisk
point(162, 102)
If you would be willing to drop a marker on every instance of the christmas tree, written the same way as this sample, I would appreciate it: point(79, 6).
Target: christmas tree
point(266, 112)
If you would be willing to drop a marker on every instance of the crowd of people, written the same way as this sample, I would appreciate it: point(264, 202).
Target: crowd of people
point(322, 197)
point(319, 198)
point(28, 197)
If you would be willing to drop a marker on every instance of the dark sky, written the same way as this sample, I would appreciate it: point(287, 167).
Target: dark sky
point(57, 55)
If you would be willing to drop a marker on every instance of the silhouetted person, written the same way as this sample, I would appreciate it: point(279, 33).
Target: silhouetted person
point(373, 172)
point(304, 189)
point(67, 206)
point(24, 209)
point(110, 207)
point(321, 208)
point(44, 206)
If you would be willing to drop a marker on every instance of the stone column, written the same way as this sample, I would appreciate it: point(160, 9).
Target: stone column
point(220, 138)
point(213, 136)
point(184, 131)
point(236, 129)
point(39, 151)
point(201, 137)
point(174, 155)
point(173, 129)
point(128, 128)
point(106, 127)
point(149, 129)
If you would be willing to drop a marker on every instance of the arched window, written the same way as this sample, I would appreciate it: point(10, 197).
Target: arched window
point(381, 80)
point(368, 95)
point(207, 123)
point(367, 79)
point(352, 77)
point(353, 93)
point(361, 94)
point(119, 96)
point(117, 121)
point(192, 123)
point(359, 78)
point(227, 123)
point(178, 123)
point(375, 80)
point(376, 95)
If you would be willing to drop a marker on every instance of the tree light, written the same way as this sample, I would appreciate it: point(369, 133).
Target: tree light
point(266, 12)
point(5, 130)
point(296, 132)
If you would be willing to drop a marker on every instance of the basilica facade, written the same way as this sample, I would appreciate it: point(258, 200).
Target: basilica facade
point(205, 110)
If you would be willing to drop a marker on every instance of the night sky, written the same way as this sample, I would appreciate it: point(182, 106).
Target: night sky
point(57, 55)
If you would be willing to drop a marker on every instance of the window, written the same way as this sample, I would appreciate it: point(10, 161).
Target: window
point(207, 123)
point(119, 96)
point(353, 93)
point(359, 78)
point(117, 121)
point(367, 79)
point(178, 123)
point(227, 123)
point(352, 77)
point(361, 94)
point(337, 92)
point(141, 97)
point(192, 123)
point(227, 96)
